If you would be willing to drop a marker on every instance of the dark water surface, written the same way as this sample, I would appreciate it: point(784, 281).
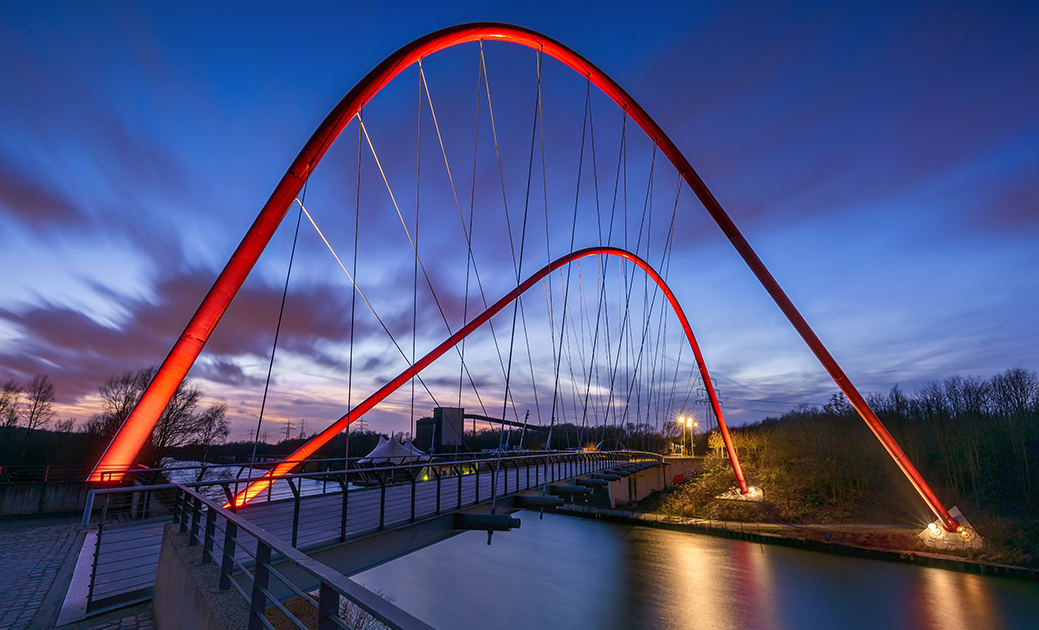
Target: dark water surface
point(565, 572)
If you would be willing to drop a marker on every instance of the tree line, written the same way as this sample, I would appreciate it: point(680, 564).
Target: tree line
point(26, 410)
point(975, 440)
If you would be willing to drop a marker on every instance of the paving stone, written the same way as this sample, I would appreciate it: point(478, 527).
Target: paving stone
point(31, 557)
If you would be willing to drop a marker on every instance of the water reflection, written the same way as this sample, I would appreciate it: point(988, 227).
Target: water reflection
point(685, 584)
point(949, 600)
point(563, 572)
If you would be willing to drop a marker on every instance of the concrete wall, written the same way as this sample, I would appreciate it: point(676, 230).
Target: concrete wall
point(25, 499)
point(638, 486)
point(186, 591)
point(685, 466)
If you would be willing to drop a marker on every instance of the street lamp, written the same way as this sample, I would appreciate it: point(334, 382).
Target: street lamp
point(681, 422)
point(692, 436)
point(688, 424)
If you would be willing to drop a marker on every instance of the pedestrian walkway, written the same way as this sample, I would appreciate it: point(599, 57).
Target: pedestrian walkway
point(36, 561)
point(136, 618)
point(31, 555)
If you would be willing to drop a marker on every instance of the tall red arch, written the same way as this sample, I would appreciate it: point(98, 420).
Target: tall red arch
point(135, 430)
point(308, 449)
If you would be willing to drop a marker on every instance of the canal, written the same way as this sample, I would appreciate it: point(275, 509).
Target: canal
point(566, 572)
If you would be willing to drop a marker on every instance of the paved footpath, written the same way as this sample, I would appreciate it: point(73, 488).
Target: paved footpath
point(35, 554)
point(136, 618)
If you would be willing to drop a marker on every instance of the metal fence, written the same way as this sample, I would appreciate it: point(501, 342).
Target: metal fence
point(340, 505)
point(225, 535)
point(19, 473)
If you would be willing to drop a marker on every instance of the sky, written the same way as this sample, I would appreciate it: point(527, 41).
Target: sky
point(882, 159)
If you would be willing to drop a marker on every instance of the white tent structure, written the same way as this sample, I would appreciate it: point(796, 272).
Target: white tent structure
point(392, 453)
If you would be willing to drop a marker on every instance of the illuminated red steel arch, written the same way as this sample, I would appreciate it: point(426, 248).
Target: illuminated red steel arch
point(135, 430)
point(316, 442)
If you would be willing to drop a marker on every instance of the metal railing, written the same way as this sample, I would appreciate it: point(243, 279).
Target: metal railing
point(33, 473)
point(342, 504)
point(223, 534)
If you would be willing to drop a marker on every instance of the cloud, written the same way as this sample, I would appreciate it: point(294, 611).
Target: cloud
point(1015, 208)
point(33, 203)
point(79, 352)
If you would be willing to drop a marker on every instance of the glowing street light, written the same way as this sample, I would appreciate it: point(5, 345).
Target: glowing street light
point(691, 423)
point(688, 424)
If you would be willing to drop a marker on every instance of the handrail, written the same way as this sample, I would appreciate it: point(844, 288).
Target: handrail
point(333, 584)
point(88, 508)
point(439, 458)
point(165, 501)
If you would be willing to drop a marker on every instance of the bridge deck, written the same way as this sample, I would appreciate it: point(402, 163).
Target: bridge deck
point(128, 553)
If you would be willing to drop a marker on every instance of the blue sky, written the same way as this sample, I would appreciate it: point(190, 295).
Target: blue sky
point(882, 158)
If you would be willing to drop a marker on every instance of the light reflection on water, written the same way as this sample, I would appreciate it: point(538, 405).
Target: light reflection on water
point(564, 572)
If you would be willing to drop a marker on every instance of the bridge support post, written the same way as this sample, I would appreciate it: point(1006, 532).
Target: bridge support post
point(436, 473)
point(414, 481)
point(344, 483)
point(176, 507)
point(196, 514)
point(261, 577)
point(295, 510)
point(327, 608)
point(382, 501)
point(207, 541)
point(227, 554)
point(458, 473)
point(505, 466)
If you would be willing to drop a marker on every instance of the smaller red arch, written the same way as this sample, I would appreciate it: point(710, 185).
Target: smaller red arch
point(289, 463)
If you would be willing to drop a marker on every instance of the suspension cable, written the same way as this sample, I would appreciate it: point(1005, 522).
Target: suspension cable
point(277, 328)
point(353, 300)
point(418, 258)
point(357, 288)
point(573, 235)
point(519, 268)
point(466, 230)
point(414, 300)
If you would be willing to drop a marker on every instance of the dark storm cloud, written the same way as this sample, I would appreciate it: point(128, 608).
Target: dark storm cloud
point(147, 130)
point(80, 352)
point(76, 351)
point(33, 203)
point(225, 372)
point(99, 139)
point(903, 97)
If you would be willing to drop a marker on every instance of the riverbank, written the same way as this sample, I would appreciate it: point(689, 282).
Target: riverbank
point(833, 539)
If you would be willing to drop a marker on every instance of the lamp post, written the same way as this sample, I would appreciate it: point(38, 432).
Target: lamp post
point(688, 424)
point(681, 421)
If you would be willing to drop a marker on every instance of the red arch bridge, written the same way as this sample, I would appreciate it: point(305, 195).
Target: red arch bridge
point(605, 350)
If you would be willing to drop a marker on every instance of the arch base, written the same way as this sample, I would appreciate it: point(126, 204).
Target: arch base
point(937, 537)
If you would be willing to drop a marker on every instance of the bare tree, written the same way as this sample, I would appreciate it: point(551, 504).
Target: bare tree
point(119, 394)
point(1015, 397)
point(178, 424)
point(10, 409)
point(65, 426)
point(10, 404)
point(39, 405)
point(213, 428)
point(838, 405)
